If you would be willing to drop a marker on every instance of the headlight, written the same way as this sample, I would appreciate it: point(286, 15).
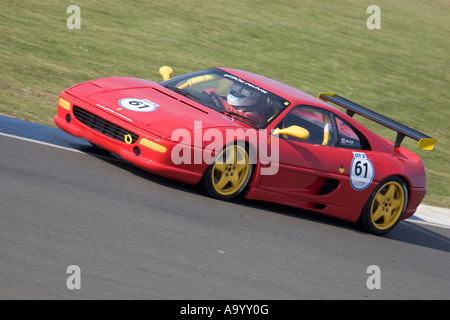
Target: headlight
point(64, 103)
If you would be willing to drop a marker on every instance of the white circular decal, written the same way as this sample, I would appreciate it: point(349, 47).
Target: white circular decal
point(140, 105)
point(361, 172)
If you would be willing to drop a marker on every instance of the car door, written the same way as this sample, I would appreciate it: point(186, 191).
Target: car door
point(310, 167)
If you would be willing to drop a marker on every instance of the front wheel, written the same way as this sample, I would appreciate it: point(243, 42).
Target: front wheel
point(385, 207)
point(229, 174)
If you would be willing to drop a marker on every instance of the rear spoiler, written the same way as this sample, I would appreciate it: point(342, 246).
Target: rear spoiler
point(425, 142)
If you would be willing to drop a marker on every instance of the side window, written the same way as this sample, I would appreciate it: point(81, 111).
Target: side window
point(347, 136)
point(315, 120)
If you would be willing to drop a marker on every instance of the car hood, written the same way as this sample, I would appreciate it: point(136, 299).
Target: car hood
point(149, 105)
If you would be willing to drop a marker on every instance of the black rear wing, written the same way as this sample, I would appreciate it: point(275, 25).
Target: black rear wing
point(425, 142)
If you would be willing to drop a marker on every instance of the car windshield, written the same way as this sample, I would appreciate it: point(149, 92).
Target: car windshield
point(230, 95)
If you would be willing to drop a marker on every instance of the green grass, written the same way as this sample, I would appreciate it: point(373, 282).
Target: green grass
point(401, 70)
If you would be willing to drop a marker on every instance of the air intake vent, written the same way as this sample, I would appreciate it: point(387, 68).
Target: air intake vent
point(103, 126)
point(329, 187)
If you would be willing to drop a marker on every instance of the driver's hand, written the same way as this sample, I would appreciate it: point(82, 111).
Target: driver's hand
point(216, 101)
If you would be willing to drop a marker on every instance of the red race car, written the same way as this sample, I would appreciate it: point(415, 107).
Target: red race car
point(236, 132)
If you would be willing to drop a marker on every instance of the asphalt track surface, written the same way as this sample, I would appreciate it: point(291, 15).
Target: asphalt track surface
point(135, 235)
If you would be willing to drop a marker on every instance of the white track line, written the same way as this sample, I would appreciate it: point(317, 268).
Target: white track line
point(40, 142)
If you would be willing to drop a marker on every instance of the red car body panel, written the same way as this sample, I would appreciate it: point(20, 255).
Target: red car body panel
point(305, 170)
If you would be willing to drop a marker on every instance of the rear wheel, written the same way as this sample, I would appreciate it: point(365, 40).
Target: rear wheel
point(385, 207)
point(229, 174)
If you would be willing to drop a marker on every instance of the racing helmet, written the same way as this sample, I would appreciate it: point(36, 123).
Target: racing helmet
point(241, 97)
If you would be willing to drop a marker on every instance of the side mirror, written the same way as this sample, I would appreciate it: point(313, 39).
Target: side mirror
point(293, 131)
point(166, 72)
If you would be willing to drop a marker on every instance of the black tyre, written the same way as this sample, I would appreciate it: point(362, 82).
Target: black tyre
point(229, 174)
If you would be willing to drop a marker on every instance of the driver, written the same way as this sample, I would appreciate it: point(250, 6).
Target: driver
point(242, 101)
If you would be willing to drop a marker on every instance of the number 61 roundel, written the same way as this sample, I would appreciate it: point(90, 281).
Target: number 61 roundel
point(361, 172)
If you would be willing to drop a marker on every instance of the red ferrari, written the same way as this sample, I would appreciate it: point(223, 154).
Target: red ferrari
point(236, 132)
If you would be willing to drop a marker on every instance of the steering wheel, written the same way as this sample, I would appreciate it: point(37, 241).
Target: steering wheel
point(216, 103)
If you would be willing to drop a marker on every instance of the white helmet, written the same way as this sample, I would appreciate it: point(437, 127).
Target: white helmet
point(239, 96)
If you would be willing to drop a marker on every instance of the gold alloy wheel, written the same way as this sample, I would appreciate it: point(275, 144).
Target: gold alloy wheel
point(387, 205)
point(230, 171)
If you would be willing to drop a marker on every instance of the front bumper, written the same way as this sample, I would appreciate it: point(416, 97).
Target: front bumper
point(120, 136)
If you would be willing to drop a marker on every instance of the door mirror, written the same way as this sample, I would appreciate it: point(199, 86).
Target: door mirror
point(293, 131)
point(166, 72)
